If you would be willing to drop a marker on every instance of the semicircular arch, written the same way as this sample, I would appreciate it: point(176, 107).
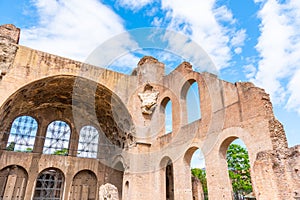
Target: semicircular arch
point(63, 97)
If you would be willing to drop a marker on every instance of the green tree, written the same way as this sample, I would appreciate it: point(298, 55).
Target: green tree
point(61, 152)
point(28, 150)
point(239, 170)
point(201, 175)
point(11, 146)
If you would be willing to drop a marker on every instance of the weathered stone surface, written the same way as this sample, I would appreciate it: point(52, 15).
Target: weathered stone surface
point(48, 87)
point(277, 135)
point(9, 36)
point(197, 189)
point(108, 192)
point(147, 59)
point(148, 99)
point(10, 32)
point(280, 173)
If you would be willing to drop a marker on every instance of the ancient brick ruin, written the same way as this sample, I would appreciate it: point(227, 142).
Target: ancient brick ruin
point(107, 129)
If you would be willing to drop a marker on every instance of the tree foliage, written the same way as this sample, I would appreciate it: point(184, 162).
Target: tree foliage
point(201, 175)
point(61, 152)
point(11, 146)
point(239, 169)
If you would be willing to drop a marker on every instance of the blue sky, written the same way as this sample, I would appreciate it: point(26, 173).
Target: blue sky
point(249, 40)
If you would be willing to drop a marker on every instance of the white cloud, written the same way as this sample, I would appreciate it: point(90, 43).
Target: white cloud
point(157, 21)
point(190, 51)
point(151, 12)
point(239, 38)
point(224, 14)
point(293, 88)
point(279, 49)
point(250, 71)
point(198, 160)
point(134, 5)
point(125, 63)
point(238, 50)
point(71, 28)
point(117, 53)
point(201, 21)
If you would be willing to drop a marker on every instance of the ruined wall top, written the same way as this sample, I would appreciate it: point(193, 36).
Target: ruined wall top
point(149, 69)
point(11, 32)
point(9, 36)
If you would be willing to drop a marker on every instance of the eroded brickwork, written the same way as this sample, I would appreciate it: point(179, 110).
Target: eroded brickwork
point(280, 173)
point(9, 37)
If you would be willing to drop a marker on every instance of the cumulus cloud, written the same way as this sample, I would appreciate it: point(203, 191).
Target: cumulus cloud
point(202, 21)
point(189, 50)
point(71, 28)
point(279, 49)
point(237, 41)
point(293, 88)
point(238, 50)
point(250, 71)
point(238, 38)
point(134, 5)
point(116, 52)
point(157, 21)
point(224, 14)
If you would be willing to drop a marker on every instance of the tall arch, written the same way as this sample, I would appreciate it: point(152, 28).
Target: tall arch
point(57, 138)
point(13, 182)
point(84, 186)
point(190, 100)
point(166, 112)
point(22, 134)
point(88, 142)
point(167, 170)
point(169, 181)
point(49, 185)
point(196, 172)
point(235, 152)
point(75, 99)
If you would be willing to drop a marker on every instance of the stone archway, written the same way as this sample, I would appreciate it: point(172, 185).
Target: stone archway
point(76, 100)
point(167, 178)
point(49, 185)
point(196, 185)
point(13, 182)
point(84, 186)
point(169, 182)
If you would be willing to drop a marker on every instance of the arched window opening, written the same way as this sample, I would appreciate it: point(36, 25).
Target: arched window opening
point(190, 101)
point(22, 134)
point(195, 158)
point(84, 185)
point(49, 185)
point(167, 111)
point(238, 167)
point(169, 181)
point(168, 117)
point(193, 103)
point(57, 138)
point(13, 182)
point(88, 142)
